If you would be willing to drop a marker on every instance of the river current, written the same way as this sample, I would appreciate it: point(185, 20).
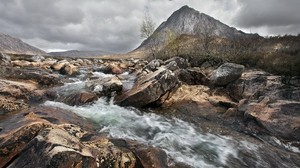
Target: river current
point(182, 141)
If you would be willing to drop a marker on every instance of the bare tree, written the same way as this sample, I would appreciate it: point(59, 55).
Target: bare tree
point(148, 26)
point(147, 32)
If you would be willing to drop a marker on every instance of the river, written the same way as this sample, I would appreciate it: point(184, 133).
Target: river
point(182, 141)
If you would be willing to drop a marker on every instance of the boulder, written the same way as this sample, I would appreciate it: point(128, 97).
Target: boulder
point(281, 118)
point(37, 58)
point(226, 73)
point(57, 66)
point(115, 69)
point(69, 69)
point(77, 98)
point(41, 76)
point(103, 68)
point(172, 66)
point(192, 77)
point(150, 88)
point(255, 83)
point(154, 65)
point(181, 62)
point(33, 141)
point(105, 86)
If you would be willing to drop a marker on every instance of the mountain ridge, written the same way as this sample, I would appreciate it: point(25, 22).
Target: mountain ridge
point(189, 21)
point(80, 53)
point(12, 45)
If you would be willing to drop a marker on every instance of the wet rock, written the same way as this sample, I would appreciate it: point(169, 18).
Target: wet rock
point(57, 66)
point(154, 65)
point(181, 62)
point(33, 140)
point(41, 76)
point(69, 69)
point(281, 118)
point(104, 69)
point(115, 69)
point(78, 98)
point(192, 77)
point(150, 89)
point(152, 157)
point(226, 73)
point(9, 104)
point(254, 84)
point(105, 86)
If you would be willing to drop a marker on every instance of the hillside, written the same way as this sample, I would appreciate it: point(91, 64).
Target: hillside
point(11, 45)
point(77, 53)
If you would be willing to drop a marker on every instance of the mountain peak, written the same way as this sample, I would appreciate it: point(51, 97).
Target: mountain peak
point(12, 45)
point(189, 21)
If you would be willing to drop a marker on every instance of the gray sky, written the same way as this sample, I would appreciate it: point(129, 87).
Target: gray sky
point(113, 25)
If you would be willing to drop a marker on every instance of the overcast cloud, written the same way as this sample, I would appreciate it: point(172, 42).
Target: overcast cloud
point(113, 25)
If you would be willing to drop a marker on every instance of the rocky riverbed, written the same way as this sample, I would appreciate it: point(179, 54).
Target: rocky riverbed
point(63, 112)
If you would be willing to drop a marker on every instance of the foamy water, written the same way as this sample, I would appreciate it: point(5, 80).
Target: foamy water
point(179, 139)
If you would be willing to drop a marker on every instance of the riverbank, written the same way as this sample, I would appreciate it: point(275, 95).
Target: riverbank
point(183, 115)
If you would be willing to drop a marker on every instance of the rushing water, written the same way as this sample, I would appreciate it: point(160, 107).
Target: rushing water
point(179, 139)
point(182, 141)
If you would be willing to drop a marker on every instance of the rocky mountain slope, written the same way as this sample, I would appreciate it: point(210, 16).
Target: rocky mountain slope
point(11, 45)
point(77, 53)
point(189, 21)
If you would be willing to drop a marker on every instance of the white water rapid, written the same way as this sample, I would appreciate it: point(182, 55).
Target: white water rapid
point(179, 139)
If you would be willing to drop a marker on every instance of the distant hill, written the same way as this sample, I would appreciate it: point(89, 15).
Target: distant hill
point(76, 53)
point(11, 45)
point(188, 21)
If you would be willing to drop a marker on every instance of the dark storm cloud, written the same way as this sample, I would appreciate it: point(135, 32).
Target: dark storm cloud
point(276, 16)
point(113, 25)
point(95, 24)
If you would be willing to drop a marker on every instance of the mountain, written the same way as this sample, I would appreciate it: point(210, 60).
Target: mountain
point(76, 53)
point(188, 21)
point(11, 45)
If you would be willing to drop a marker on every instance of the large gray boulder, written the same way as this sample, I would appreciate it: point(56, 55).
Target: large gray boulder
point(149, 89)
point(226, 73)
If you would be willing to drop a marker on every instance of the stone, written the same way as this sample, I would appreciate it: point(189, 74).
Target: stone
point(41, 76)
point(69, 69)
point(10, 104)
point(115, 69)
point(181, 62)
point(37, 58)
point(21, 63)
point(281, 118)
point(154, 65)
point(57, 66)
point(172, 66)
point(255, 83)
point(104, 69)
point(105, 86)
point(48, 137)
point(78, 98)
point(192, 77)
point(226, 73)
point(149, 89)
